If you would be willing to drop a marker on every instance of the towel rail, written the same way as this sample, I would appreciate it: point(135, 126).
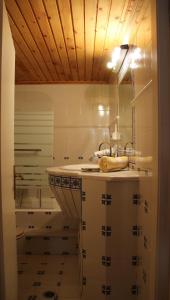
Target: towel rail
point(33, 150)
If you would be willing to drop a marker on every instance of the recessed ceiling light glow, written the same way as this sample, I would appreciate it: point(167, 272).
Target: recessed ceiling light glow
point(133, 65)
point(137, 54)
point(101, 113)
point(100, 107)
point(116, 55)
point(109, 65)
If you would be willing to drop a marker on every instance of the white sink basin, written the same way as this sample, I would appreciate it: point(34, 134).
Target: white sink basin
point(79, 167)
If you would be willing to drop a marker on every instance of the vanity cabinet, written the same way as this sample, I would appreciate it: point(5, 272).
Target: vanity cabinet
point(109, 236)
point(106, 207)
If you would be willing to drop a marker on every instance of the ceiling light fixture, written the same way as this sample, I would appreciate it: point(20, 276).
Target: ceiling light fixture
point(118, 56)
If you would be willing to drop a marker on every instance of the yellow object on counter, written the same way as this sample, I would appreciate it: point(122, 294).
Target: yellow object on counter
point(108, 164)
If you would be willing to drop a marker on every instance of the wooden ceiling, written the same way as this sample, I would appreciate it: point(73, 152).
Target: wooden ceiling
point(69, 40)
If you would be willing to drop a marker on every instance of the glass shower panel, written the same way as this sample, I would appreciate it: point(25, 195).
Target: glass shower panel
point(33, 144)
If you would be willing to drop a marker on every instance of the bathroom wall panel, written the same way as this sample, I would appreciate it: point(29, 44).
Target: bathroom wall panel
point(76, 145)
point(79, 127)
point(73, 105)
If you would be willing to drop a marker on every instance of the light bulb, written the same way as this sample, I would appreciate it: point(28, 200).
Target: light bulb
point(100, 107)
point(109, 65)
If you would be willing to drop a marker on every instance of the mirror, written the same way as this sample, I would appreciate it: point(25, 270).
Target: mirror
point(125, 111)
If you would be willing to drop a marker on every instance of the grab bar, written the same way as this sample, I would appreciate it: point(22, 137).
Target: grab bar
point(37, 150)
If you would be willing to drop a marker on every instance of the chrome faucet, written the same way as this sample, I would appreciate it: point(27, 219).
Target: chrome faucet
point(110, 147)
point(125, 147)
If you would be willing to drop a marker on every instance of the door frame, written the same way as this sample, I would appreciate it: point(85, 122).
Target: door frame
point(161, 76)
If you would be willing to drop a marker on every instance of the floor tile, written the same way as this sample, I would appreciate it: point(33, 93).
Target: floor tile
point(40, 273)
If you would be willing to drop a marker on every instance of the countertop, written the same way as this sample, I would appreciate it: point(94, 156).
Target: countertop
point(109, 176)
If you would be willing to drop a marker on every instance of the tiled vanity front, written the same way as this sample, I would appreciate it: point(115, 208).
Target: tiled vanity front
point(108, 234)
point(109, 239)
point(67, 190)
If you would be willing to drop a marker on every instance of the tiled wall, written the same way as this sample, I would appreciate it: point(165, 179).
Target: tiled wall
point(47, 233)
point(145, 131)
point(81, 116)
point(145, 143)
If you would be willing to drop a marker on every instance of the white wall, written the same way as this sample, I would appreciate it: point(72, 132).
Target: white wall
point(79, 127)
point(8, 289)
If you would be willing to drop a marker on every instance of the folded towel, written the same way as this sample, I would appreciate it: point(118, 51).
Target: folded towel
point(108, 164)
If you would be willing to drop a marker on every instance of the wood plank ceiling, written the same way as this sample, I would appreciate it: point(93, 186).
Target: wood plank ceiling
point(69, 40)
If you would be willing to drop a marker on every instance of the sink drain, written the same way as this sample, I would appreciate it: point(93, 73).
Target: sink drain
point(50, 295)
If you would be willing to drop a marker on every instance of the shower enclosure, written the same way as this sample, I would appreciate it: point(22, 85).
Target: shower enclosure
point(47, 229)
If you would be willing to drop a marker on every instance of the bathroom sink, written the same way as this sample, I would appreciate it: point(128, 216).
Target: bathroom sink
point(79, 167)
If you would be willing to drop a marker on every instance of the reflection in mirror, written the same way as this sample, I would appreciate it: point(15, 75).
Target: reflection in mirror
point(126, 94)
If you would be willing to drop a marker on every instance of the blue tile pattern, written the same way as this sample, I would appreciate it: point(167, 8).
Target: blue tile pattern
point(75, 183)
point(83, 196)
point(136, 199)
point(136, 260)
point(84, 280)
point(137, 230)
point(57, 181)
point(146, 206)
point(135, 289)
point(106, 199)
point(84, 253)
point(106, 261)
point(51, 179)
point(83, 225)
point(106, 290)
point(106, 230)
point(66, 182)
